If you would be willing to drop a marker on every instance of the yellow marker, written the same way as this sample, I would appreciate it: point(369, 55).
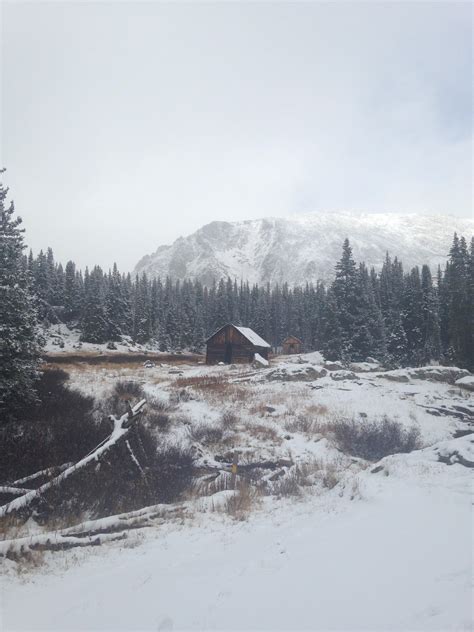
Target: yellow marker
point(234, 468)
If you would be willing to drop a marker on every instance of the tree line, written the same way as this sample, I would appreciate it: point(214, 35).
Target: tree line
point(400, 318)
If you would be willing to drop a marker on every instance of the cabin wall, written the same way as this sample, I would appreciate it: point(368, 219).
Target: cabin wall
point(242, 350)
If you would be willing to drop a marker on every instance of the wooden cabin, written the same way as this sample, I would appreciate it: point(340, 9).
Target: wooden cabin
point(292, 344)
point(235, 344)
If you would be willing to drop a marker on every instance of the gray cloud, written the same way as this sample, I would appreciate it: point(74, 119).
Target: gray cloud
point(125, 125)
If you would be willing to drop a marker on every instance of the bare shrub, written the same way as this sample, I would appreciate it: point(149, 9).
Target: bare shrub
point(330, 475)
point(206, 433)
point(27, 561)
point(138, 472)
point(124, 392)
point(306, 425)
point(288, 485)
point(127, 389)
point(157, 404)
point(154, 419)
point(305, 475)
point(263, 432)
point(61, 427)
point(376, 439)
point(181, 396)
point(229, 418)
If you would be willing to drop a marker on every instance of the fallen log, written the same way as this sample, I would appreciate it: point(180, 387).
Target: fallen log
point(53, 542)
point(91, 532)
point(14, 491)
point(48, 472)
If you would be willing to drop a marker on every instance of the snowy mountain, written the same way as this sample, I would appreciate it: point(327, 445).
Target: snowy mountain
point(303, 247)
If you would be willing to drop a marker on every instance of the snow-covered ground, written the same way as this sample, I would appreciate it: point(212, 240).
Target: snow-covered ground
point(60, 339)
point(386, 546)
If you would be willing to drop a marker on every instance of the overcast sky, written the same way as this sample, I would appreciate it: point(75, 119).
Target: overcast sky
point(127, 124)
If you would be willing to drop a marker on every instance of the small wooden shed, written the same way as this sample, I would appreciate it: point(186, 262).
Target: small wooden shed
point(232, 344)
point(292, 344)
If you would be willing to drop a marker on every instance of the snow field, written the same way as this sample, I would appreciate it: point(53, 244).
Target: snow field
point(386, 547)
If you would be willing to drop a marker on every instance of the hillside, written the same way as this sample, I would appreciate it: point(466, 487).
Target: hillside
point(303, 247)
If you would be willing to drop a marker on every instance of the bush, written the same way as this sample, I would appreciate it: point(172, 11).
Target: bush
point(118, 484)
point(59, 428)
point(288, 485)
point(126, 389)
point(62, 428)
point(206, 434)
point(153, 419)
point(374, 440)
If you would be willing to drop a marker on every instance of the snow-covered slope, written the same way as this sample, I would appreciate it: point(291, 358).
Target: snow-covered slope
point(303, 247)
point(387, 549)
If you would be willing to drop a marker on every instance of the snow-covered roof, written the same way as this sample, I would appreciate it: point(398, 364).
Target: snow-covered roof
point(248, 333)
point(252, 336)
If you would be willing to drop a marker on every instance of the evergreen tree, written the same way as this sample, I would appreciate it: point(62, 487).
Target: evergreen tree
point(142, 311)
point(95, 326)
point(19, 342)
point(430, 339)
point(115, 305)
point(345, 292)
point(412, 316)
point(71, 298)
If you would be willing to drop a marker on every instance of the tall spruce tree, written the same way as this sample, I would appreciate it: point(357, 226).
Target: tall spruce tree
point(430, 333)
point(95, 326)
point(19, 342)
point(345, 292)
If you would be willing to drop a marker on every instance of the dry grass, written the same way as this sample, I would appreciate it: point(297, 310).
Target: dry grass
point(122, 359)
point(214, 389)
point(259, 409)
point(27, 561)
point(316, 410)
point(307, 425)
point(307, 474)
point(246, 499)
point(263, 432)
point(10, 526)
point(331, 475)
point(203, 382)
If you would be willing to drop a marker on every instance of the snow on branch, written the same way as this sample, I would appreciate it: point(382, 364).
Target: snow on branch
point(16, 491)
point(90, 532)
point(49, 471)
point(121, 428)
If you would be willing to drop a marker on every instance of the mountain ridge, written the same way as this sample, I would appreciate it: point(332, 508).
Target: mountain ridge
point(303, 248)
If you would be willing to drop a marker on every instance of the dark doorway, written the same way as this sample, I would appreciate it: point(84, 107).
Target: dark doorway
point(228, 353)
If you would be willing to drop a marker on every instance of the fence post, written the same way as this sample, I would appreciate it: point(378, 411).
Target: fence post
point(235, 462)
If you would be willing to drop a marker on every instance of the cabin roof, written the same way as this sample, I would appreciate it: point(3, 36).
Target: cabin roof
point(248, 333)
point(254, 338)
